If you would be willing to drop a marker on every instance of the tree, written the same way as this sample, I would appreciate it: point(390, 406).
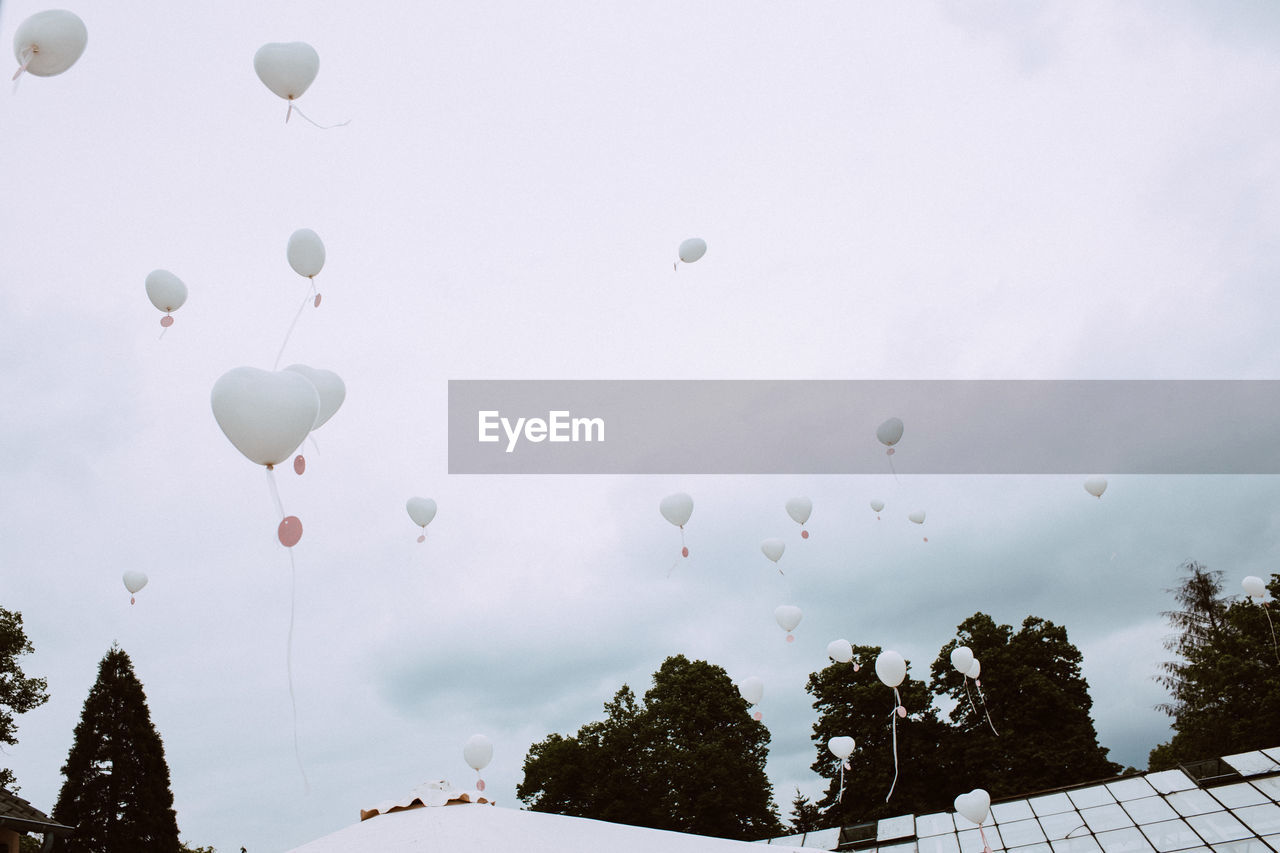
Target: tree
point(18, 693)
point(1038, 702)
point(116, 792)
point(805, 815)
point(1225, 686)
point(857, 704)
point(689, 758)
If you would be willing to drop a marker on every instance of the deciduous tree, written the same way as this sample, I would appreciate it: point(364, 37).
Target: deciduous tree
point(18, 692)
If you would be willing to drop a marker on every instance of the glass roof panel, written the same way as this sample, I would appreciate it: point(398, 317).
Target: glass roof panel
point(1081, 844)
point(1239, 795)
point(1131, 789)
point(1245, 845)
point(909, 847)
point(1251, 763)
point(890, 828)
point(1021, 832)
point(1193, 802)
point(1103, 818)
point(1127, 840)
point(1219, 826)
point(1097, 795)
point(1263, 819)
point(938, 844)
point(934, 824)
point(1016, 810)
point(1270, 787)
point(1168, 781)
point(1058, 826)
point(1170, 835)
point(971, 840)
point(1149, 810)
point(1050, 804)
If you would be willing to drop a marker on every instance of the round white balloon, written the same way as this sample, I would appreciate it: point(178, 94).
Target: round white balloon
point(788, 616)
point(773, 548)
point(840, 651)
point(477, 752)
point(421, 510)
point(305, 252)
point(329, 386)
point(974, 806)
point(1095, 486)
point(265, 414)
point(975, 669)
point(799, 509)
point(676, 508)
point(50, 42)
point(841, 747)
point(134, 581)
point(962, 659)
point(891, 668)
point(877, 505)
point(889, 433)
point(692, 249)
point(165, 290)
point(752, 689)
point(1254, 587)
point(287, 68)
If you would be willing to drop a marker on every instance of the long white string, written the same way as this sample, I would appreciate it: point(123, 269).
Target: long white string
point(894, 724)
point(288, 334)
point(288, 657)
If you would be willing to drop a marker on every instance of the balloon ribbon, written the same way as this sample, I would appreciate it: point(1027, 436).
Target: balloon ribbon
point(894, 724)
point(986, 847)
point(1274, 648)
point(844, 765)
point(288, 657)
point(984, 707)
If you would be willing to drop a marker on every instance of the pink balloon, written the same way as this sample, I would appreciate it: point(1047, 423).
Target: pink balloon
point(317, 304)
point(804, 534)
point(290, 531)
point(684, 552)
point(856, 666)
point(791, 638)
point(757, 716)
point(166, 320)
point(479, 782)
point(902, 712)
point(299, 464)
point(889, 452)
point(422, 538)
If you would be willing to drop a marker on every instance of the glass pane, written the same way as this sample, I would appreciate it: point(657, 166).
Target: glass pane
point(895, 827)
point(1124, 841)
point(1168, 781)
point(1085, 798)
point(1036, 848)
point(823, 839)
point(1193, 802)
point(1057, 826)
point(1273, 840)
point(1106, 817)
point(1082, 844)
point(1149, 810)
point(1170, 835)
point(1238, 795)
point(1021, 832)
point(934, 824)
point(971, 840)
point(1251, 763)
point(1016, 810)
point(938, 844)
point(1131, 789)
point(1270, 787)
point(909, 847)
point(1247, 845)
point(1051, 804)
point(1263, 819)
point(1218, 826)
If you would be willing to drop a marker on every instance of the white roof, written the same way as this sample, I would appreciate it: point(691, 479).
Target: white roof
point(476, 828)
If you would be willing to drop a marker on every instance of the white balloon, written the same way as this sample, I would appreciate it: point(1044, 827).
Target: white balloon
point(287, 68)
point(305, 252)
point(975, 669)
point(165, 290)
point(329, 386)
point(421, 510)
point(1095, 486)
point(692, 249)
point(788, 616)
point(890, 432)
point(917, 516)
point(877, 505)
point(962, 659)
point(841, 747)
point(265, 414)
point(1254, 587)
point(676, 508)
point(752, 689)
point(891, 668)
point(134, 581)
point(50, 42)
point(799, 509)
point(773, 548)
point(477, 752)
point(840, 651)
point(975, 806)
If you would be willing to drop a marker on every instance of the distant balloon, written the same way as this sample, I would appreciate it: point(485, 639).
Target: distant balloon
point(788, 617)
point(134, 582)
point(876, 507)
point(916, 517)
point(891, 668)
point(1095, 486)
point(799, 509)
point(752, 689)
point(691, 250)
point(773, 548)
point(477, 752)
point(287, 69)
point(841, 747)
point(974, 806)
point(975, 669)
point(889, 433)
point(1254, 587)
point(167, 292)
point(840, 651)
point(305, 252)
point(421, 510)
point(676, 509)
point(962, 659)
point(48, 43)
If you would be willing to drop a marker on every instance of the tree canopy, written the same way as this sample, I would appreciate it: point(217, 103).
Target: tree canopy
point(687, 758)
point(1225, 685)
point(116, 791)
point(18, 692)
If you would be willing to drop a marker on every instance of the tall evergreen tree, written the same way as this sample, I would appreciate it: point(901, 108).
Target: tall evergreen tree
point(1040, 734)
point(688, 758)
point(18, 692)
point(857, 704)
point(116, 792)
point(1225, 685)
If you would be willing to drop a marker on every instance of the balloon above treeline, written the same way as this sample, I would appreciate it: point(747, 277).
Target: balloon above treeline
point(167, 292)
point(677, 509)
point(752, 690)
point(788, 616)
point(134, 582)
point(478, 752)
point(48, 43)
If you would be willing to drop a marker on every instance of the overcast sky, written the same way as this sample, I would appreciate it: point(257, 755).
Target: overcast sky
point(979, 190)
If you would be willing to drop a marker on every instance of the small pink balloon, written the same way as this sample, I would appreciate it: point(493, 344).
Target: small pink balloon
point(133, 600)
point(857, 666)
point(757, 716)
point(422, 538)
point(479, 784)
point(684, 552)
point(299, 464)
point(977, 682)
point(317, 304)
point(804, 534)
point(290, 531)
point(902, 712)
point(166, 320)
point(791, 638)
point(926, 538)
point(889, 452)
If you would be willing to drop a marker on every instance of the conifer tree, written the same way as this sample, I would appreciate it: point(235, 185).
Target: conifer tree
point(116, 792)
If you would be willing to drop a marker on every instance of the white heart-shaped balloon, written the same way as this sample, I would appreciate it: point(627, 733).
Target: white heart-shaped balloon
point(962, 659)
point(692, 249)
point(840, 651)
point(917, 516)
point(1095, 486)
point(477, 752)
point(889, 433)
point(974, 806)
point(265, 414)
point(752, 689)
point(773, 548)
point(134, 581)
point(287, 68)
point(305, 252)
point(841, 747)
point(891, 668)
point(975, 669)
point(1254, 587)
point(421, 510)
point(165, 290)
point(799, 509)
point(676, 508)
point(788, 616)
point(50, 42)
point(877, 505)
point(329, 387)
